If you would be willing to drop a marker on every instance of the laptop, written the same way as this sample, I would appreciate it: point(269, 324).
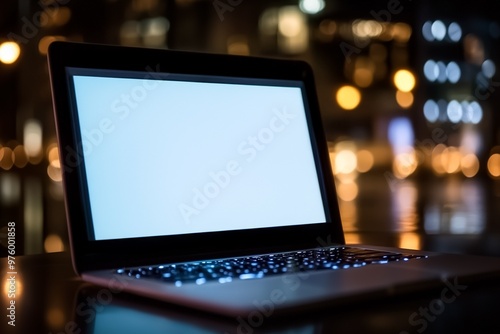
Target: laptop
point(204, 180)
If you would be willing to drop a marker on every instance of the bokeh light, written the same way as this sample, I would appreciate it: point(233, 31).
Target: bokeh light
point(290, 22)
point(488, 68)
point(348, 97)
point(454, 32)
point(404, 99)
point(19, 156)
point(33, 137)
point(6, 158)
point(364, 70)
point(441, 72)
point(454, 111)
point(345, 162)
point(438, 30)
point(404, 80)
point(311, 6)
point(53, 243)
point(18, 286)
point(405, 164)
point(401, 32)
point(476, 112)
point(494, 165)
point(365, 161)
point(43, 45)
point(453, 72)
point(54, 173)
point(470, 165)
point(431, 70)
point(436, 154)
point(427, 31)
point(9, 52)
point(450, 160)
point(293, 34)
point(347, 191)
point(431, 111)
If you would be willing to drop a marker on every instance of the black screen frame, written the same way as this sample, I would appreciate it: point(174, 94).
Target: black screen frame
point(88, 254)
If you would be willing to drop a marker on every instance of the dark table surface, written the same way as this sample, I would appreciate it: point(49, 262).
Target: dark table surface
point(49, 298)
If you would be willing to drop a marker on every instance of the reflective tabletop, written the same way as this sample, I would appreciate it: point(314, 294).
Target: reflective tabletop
point(49, 298)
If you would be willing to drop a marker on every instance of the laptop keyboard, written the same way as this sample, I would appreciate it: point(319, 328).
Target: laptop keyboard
point(253, 267)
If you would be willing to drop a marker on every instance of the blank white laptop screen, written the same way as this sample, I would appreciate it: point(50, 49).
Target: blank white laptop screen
point(195, 154)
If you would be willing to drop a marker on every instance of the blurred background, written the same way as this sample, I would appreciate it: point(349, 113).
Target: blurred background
point(409, 95)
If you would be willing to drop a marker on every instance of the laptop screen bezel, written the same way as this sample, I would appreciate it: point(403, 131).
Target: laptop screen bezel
point(91, 254)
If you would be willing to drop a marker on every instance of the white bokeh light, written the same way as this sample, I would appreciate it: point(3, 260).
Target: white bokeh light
point(311, 6)
point(476, 112)
point(466, 112)
point(438, 30)
point(454, 111)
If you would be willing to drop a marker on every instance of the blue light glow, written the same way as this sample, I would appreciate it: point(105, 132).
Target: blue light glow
point(453, 72)
point(431, 111)
point(431, 70)
point(454, 32)
point(427, 31)
point(488, 68)
point(454, 111)
point(441, 72)
point(438, 30)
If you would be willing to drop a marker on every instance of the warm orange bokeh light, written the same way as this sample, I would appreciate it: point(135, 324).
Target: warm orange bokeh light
point(494, 165)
